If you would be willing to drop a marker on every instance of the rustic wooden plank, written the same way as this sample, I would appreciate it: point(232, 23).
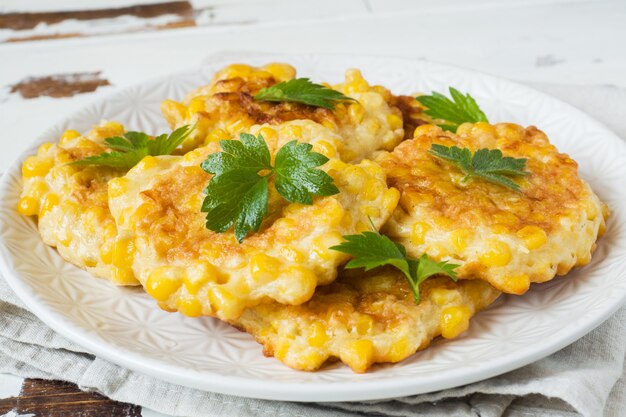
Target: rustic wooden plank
point(62, 399)
point(59, 85)
point(22, 21)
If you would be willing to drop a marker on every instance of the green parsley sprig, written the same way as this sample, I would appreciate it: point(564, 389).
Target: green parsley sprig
point(302, 90)
point(488, 164)
point(238, 192)
point(449, 114)
point(132, 147)
point(372, 250)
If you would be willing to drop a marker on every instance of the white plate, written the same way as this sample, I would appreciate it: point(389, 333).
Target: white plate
point(125, 326)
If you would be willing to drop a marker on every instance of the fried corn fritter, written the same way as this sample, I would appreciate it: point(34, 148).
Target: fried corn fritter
point(71, 202)
point(188, 268)
point(365, 318)
point(505, 237)
point(226, 107)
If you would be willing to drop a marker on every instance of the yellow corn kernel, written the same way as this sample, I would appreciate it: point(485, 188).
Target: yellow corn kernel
point(358, 355)
point(44, 149)
point(124, 276)
point(291, 131)
point(464, 129)
point(460, 238)
point(49, 202)
point(197, 105)
point(28, 206)
point(163, 282)
point(363, 227)
point(498, 254)
point(147, 163)
point(322, 243)
point(190, 307)
point(400, 350)
point(68, 135)
point(370, 211)
point(36, 167)
point(454, 321)
point(268, 134)
point(237, 70)
point(281, 72)
point(198, 274)
point(394, 121)
point(355, 83)
point(291, 254)
point(333, 213)
point(222, 300)
point(216, 135)
point(534, 237)
point(38, 189)
point(418, 232)
point(117, 187)
point(364, 324)
point(114, 128)
point(123, 251)
point(173, 111)
point(483, 129)
point(106, 253)
point(373, 189)
point(356, 112)
point(499, 229)
point(442, 296)
point(516, 284)
point(282, 349)
point(263, 268)
point(444, 222)
point(317, 335)
point(426, 130)
point(325, 148)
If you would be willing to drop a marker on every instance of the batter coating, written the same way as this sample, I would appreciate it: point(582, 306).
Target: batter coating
point(71, 202)
point(226, 107)
point(199, 272)
point(507, 238)
point(365, 318)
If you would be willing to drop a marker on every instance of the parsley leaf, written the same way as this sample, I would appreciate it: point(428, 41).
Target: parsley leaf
point(452, 113)
point(302, 90)
point(371, 250)
point(488, 164)
point(238, 192)
point(132, 147)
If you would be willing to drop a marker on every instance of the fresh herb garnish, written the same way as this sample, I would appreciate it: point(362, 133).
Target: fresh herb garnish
point(302, 90)
point(450, 114)
point(371, 250)
point(488, 164)
point(238, 192)
point(132, 147)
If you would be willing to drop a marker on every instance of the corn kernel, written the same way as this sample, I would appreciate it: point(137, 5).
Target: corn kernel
point(426, 130)
point(442, 296)
point(356, 112)
point(44, 149)
point(123, 276)
point(281, 72)
point(364, 324)
point(28, 206)
point(362, 227)
point(371, 211)
point(358, 354)
point(147, 163)
point(460, 238)
point(49, 202)
point(454, 321)
point(322, 243)
point(123, 251)
point(114, 128)
point(106, 253)
point(36, 167)
point(68, 135)
point(291, 254)
point(372, 189)
point(516, 284)
point(198, 274)
point(223, 300)
point(400, 350)
point(498, 254)
point(418, 232)
point(38, 189)
point(317, 335)
point(291, 131)
point(190, 307)
point(173, 111)
point(197, 105)
point(263, 268)
point(117, 187)
point(483, 129)
point(163, 282)
point(394, 121)
point(325, 148)
point(268, 134)
point(534, 237)
point(216, 135)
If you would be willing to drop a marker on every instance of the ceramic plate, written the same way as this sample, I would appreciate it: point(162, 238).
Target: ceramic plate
point(126, 327)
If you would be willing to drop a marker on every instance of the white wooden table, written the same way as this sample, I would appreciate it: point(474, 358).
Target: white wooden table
point(552, 41)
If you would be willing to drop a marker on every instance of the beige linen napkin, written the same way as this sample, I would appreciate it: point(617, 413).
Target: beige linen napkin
point(586, 378)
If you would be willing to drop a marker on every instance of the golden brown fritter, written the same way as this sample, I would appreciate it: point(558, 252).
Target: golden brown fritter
point(199, 272)
point(506, 237)
point(71, 202)
point(365, 318)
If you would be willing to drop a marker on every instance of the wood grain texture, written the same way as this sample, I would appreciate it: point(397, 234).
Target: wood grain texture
point(59, 85)
point(22, 21)
point(61, 399)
